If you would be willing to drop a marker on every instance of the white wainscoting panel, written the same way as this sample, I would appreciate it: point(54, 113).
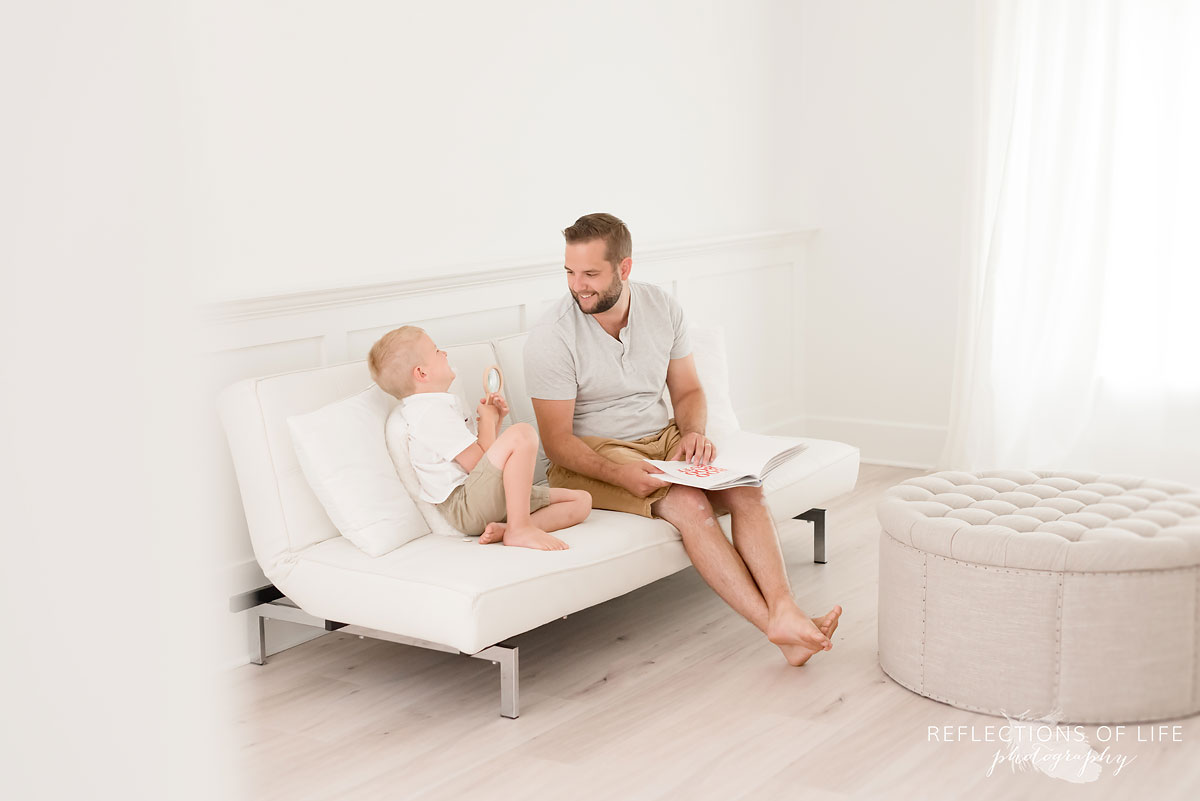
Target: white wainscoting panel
point(757, 308)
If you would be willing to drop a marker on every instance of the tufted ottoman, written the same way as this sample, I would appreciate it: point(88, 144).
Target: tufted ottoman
point(1068, 596)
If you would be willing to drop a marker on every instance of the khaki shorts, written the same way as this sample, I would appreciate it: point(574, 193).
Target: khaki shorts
point(658, 446)
point(480, 499)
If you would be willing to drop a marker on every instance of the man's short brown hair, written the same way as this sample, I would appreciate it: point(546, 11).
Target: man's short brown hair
point(392, 359)
point(618, 243)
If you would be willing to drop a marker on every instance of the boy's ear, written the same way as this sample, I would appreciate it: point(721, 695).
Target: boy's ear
point(418, 373)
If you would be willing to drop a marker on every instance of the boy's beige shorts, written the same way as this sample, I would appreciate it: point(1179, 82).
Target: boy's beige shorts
point(480, 499)
point(658, 446)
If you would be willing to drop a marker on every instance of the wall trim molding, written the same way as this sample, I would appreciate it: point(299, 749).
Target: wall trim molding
point(289, 303)
point(887, 423)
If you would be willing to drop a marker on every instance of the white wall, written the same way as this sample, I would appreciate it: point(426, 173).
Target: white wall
point(885, 108)
point(341, 144)
point(347, 143)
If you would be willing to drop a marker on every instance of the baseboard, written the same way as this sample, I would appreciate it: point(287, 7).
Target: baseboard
point(889, 463)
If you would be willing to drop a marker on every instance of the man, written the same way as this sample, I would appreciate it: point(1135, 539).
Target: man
point(595, 369)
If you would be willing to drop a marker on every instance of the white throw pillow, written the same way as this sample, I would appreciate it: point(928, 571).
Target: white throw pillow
point(343, 454)
point(396, 436)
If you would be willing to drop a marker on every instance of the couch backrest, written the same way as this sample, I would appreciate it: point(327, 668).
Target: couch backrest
point(282, 513)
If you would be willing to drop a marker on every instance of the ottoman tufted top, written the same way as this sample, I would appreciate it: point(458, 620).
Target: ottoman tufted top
point(1066, 521)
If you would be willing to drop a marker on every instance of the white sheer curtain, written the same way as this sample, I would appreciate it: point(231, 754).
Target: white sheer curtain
point(1080, 331)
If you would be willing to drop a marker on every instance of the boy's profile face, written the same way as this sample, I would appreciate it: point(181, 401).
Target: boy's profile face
point(436, 373)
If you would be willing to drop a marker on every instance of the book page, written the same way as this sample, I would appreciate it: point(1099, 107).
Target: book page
point(703, 476)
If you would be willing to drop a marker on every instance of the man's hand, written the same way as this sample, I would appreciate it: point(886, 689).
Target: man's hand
point(694, 448)
point(639, 478)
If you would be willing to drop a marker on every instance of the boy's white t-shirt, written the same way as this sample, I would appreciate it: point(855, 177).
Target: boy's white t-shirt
point(438, 430)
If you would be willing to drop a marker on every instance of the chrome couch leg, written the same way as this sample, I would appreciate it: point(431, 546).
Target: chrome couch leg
point(261, 658)
point(817, 518)
point(506, 656)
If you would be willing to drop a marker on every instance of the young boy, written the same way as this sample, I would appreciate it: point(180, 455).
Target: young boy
point(477, 482)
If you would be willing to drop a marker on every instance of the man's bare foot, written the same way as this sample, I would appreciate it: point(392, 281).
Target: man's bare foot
point(533, 537)
point(493, 533)
point(828, 622)
point(797, 655)
point(787, 625)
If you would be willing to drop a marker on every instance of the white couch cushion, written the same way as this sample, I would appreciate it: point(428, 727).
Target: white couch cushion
point(471, 596)
point(341, 450)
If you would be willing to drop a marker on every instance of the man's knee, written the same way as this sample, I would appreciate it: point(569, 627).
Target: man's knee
point(683, 504)
point(739, 499)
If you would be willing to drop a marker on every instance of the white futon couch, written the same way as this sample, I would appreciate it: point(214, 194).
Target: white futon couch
point(439, 590)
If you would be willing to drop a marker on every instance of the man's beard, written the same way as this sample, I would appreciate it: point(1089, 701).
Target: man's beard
point(605, 300)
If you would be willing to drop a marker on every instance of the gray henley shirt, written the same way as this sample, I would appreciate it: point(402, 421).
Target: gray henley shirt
point(617, 384)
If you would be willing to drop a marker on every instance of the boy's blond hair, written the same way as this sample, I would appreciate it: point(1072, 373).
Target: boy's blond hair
point(392, 359)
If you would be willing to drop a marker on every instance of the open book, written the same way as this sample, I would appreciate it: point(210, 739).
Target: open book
point(743, 460)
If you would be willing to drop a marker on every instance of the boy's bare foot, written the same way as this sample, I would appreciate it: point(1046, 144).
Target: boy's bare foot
point(493, 533)
point(533, 537)
point(789, 626)
point(797, 655)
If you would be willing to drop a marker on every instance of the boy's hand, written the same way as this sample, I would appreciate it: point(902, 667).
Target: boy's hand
point(500, 404)
point(486, 414)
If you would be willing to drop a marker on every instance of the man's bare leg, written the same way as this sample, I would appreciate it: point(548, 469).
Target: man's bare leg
point(515, 452)
point(723, 568)
point(757, 542)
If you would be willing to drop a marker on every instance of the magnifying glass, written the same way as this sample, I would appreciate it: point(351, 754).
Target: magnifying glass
point(493, 380)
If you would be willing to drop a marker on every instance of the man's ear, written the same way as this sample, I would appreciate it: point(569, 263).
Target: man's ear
point(625, 266)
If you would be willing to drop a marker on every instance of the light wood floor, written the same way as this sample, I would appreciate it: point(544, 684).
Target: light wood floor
point(662, 693)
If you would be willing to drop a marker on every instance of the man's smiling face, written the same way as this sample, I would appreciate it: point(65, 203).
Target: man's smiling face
point(594, 282)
